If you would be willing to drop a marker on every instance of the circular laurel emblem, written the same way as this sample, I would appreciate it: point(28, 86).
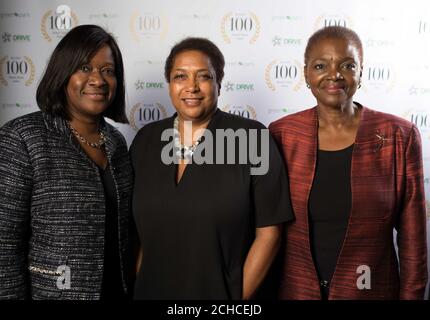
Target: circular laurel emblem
point(149, 116)
point(284, 74)
point(240, 27)
point(246, 112)
point(147, 26)
point(17, 70)
point(379, 77)
point(57, 24)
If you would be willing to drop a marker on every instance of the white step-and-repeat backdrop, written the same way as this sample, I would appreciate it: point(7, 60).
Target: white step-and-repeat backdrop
point(263, 43)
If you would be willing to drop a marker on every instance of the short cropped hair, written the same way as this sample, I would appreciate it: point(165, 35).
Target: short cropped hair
point(76, 48)
point(334, 32)
point(200, 44)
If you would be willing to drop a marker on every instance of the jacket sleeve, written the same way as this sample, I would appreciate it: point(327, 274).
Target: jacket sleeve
point(411, 228)
point(15, 198)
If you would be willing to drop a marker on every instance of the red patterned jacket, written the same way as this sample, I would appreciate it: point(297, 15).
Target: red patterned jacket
point(387, 192)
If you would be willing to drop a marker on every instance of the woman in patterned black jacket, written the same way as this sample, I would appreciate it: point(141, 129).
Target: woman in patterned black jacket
point(66, 179)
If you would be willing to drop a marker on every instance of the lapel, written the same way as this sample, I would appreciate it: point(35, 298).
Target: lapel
point(310, 152)
point(111, 143)
point(368, 142)
point(371, 134)
point(57, 125)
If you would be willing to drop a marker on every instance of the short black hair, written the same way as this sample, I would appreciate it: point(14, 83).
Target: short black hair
point(76, 48)
point(200, 44)
point(334, 32)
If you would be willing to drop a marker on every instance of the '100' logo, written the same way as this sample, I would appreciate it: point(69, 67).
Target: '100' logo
point(379, 77)
point(421, 120)
point(332, 20)
point(240, 26)
point(242, 111)
point(285, 71)
point(147, 25)
point(284, 74)
point(59, 23)
point(378, 74)
point(17, 70)
point(149, 115)
point(142, 114)
point(15, 67)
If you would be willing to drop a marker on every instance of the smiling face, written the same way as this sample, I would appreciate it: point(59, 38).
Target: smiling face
point(91, 89)
point(193, 87)
point(333, 71)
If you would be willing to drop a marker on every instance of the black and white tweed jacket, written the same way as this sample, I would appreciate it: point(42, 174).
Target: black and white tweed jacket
point(52, 210)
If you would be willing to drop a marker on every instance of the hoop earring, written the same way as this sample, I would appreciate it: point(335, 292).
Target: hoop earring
point(308, 86)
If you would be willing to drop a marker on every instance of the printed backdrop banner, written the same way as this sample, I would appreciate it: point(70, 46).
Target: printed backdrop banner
point(263, 43)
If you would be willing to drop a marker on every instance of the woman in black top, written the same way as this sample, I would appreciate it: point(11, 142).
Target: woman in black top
point(355, 177)
point(66, 178)
point(208, 230)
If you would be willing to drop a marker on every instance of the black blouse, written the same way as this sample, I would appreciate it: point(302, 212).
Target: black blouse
point(112, 282)
point(329, 208)
point(196, 234)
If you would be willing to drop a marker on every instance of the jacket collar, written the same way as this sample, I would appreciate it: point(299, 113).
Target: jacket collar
point(370, 133)
point(362, 133)
point(58, 125)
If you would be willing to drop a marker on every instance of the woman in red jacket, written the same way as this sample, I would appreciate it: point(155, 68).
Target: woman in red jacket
point(355, 176)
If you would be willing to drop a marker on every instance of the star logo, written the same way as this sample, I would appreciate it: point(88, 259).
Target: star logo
point(276, 41)
point(229, 86)
point(139, 85)
point(6, 37)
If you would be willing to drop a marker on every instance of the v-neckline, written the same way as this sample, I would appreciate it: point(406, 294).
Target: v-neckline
point(175, 174)
point(210, 126)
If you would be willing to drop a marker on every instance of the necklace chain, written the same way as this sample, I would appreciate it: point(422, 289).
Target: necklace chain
point(99, 144)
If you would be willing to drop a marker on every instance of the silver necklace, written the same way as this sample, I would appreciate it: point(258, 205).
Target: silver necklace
point(99, 144)
point(182, 151)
